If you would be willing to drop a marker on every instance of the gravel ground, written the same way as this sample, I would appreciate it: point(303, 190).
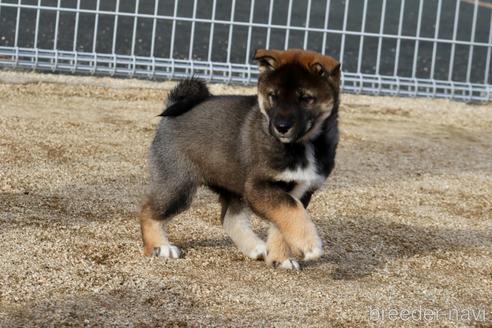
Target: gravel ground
point(406, 218)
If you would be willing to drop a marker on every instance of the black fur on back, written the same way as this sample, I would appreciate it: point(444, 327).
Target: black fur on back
point(186, 95)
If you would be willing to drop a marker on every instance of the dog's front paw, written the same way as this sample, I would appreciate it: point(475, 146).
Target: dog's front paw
point(314, 253)
point(259, 252)
point(310, 249)
point(289, 264)
point(167, 251)
point(305, 243)
point(278, 254)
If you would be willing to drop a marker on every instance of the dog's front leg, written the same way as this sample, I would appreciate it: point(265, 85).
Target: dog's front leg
point(278, 251)
point(289, 217)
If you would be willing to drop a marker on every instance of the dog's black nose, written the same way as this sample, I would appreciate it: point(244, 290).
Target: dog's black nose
point(282, 125)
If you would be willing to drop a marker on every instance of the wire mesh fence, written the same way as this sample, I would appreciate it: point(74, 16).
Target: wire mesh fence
point(435, 48)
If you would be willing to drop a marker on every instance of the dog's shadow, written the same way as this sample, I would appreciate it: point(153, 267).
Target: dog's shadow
point(358, 246)
point(355, 246)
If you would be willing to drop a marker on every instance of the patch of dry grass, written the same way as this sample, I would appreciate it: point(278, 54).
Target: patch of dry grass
point(406, 217)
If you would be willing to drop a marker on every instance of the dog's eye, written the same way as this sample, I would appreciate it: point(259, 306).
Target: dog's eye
point(272, 96)
point(307, 99)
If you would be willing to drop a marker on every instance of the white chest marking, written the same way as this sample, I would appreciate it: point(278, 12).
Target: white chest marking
point(306, 178)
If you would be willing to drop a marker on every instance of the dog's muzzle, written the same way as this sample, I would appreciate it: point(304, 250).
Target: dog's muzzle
point(283, 129)
point(283, 125)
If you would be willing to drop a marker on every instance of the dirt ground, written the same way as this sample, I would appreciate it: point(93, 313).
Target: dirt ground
point(406, 218)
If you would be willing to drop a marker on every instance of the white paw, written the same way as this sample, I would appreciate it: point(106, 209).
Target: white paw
point(259, 252)
point(314, 253)
point(289, 264)
point(167, 251)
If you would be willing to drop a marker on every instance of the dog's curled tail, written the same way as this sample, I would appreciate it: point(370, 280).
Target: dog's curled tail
point(186, 95)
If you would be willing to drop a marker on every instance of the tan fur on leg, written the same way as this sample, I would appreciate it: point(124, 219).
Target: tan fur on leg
point(277, 249)
point(297, 230)
point(152, 233)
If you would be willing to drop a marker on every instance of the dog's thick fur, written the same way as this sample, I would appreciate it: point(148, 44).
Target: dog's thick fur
point(265, 154)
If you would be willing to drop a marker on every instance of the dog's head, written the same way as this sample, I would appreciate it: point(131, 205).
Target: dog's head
point(297, 91)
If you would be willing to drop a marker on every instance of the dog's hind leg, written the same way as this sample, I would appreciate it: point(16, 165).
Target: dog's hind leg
point(154, 234)
point(236, 222)
point(156, 212)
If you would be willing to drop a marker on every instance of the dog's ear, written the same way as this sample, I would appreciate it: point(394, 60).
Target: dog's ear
point(328, 67)
point(267, 60)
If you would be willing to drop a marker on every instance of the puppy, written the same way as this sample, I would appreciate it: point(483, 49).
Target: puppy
point(265, 154)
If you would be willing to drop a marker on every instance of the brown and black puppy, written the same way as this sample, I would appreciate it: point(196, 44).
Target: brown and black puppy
point(265, 154)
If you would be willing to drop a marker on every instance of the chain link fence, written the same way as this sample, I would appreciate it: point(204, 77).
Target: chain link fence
point(434, 48)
